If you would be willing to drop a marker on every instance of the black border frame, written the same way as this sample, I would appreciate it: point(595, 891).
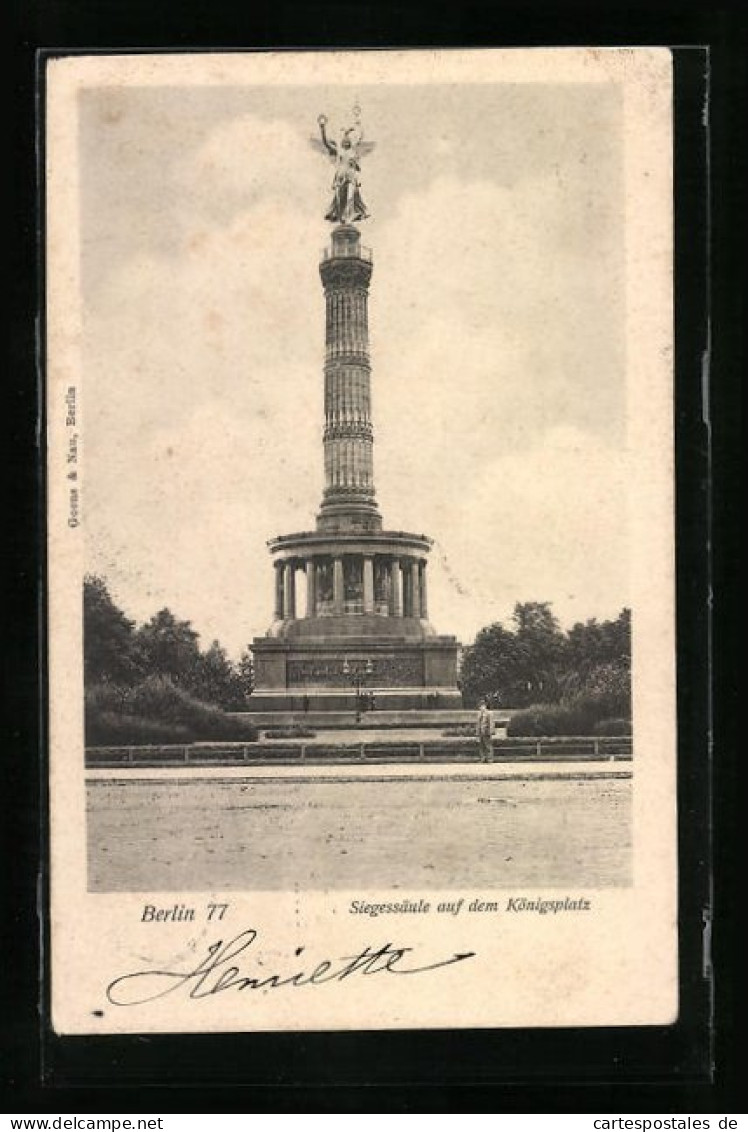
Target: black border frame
point(673, 1064)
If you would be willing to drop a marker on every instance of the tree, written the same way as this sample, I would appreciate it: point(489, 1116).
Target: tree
point(489, 667)
point(110, 648)
point(170, 648)
point(610, 684)
point(535, 619)
point(215, 680)
point(536, 663)
point(247, 672)
point(618, 638)
point(540, 648)
point(600, 642)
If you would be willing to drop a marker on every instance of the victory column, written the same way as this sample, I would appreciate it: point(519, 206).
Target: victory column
point(364, 622)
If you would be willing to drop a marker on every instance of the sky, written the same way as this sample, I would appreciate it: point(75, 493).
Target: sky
point(497, 325)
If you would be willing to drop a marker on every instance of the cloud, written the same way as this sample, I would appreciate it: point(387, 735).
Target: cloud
point(243, 162)
point(203, 415)
point(193, 523)
point(546, 523)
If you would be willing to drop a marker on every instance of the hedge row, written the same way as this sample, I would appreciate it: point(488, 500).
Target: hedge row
point(157, 711)
point(580, 718)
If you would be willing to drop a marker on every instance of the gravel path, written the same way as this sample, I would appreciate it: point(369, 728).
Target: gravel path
point(166, 833)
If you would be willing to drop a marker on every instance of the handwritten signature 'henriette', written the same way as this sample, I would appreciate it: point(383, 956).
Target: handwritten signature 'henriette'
point(215, 972)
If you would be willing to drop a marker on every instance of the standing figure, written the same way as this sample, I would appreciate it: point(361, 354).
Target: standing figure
point(347, 203)
point(484, 729)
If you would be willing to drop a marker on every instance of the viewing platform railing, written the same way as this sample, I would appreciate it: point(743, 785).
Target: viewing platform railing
point(349, 252)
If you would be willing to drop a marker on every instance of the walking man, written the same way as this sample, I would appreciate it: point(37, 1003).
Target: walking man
point(484, 728)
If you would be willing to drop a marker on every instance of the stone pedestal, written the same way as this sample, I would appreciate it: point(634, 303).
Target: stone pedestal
point(400, 674)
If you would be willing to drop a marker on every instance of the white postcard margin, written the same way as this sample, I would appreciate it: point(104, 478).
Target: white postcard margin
point(615, 966)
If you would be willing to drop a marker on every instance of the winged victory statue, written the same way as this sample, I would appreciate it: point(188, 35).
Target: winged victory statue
point(347, 205)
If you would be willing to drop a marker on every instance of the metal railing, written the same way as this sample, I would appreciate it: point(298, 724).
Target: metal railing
point(278, 752)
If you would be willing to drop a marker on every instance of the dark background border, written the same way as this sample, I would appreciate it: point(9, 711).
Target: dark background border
point(662, 1069)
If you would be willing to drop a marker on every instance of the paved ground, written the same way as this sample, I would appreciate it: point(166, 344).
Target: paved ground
point(396, 827)
point(376, 734)
point(370, 771)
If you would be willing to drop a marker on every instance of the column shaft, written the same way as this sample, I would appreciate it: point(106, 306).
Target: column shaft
point(424, 593)
point(349, 488)
point(368, 585)
point(397, 589)
point(279, 568)
point(415, 590)
point(290, 592)
point(338, 592)
point(311, 588)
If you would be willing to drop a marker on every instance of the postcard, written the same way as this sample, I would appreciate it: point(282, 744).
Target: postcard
point(359, 435)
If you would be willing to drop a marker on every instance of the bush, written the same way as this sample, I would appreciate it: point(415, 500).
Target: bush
point(613, 727)
point(241, 730)
point(158, 697)
point(156, 710)
point(460, 730)
point(109, 729)
point(102, 698)
point(581, 716)
point(546, 719)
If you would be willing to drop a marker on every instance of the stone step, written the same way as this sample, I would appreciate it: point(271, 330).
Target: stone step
point(375, 720)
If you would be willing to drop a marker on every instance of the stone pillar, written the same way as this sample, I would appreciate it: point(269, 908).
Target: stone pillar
point(397, 589)
point(368, 585)
point(338, 587)
point(279, 569)
point(311, 588)
point(415, 588)
point(424, 593)
point(289, 597)
point(406, 587)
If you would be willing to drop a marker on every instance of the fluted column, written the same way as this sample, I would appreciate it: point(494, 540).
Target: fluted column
point(348, 498)
point(424, 592)
point(311, 588)
point(368, 585)
point(338, 586)
point(289, 597)
point(397, 589)
point(279, 582)
point(406, 587)
point(415, 589)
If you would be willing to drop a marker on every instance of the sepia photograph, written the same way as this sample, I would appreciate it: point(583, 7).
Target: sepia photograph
point(361, 584)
